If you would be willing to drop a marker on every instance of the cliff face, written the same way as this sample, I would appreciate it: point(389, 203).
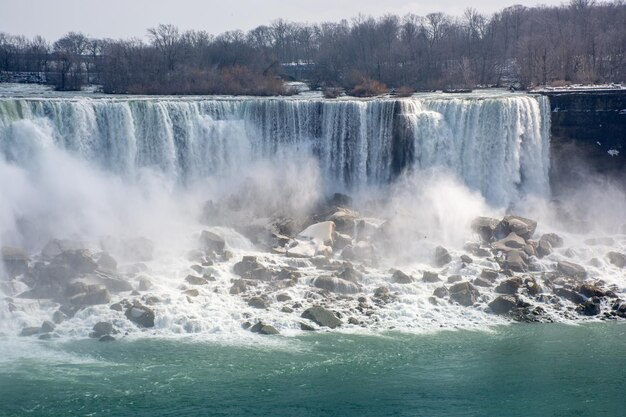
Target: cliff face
point(588, 133)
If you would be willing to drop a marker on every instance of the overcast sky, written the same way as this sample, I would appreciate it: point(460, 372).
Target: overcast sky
point(130, 18)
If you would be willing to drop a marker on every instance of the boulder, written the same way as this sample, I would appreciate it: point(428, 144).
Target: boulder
point(345, 220)
point(571, 269)
point(144, 284)
point(400, 277)
point(79, 261)
point(57, 246)
point(442, 256)
point(195, 280)
point(319, 232)
point(503, 304)
point(341, 240)
point(544, 248)
point(591, 307)
point(350, 274)
point(515, 260)
point(140, 315)
point(211, 242)
point(306, 327)
point(532, 286)
point(193, 292)
point(337, 285)
point(441, 292)
point(489, 274)
point(282, 298)
point(107, 263)
point(464, 293)
point(553, 239)
point(454, 278)
point(429, 276)
point(482, 282)
point(521, 226)
point(466, 259)
point(590, 290)
point(93, 295)
point(250, 268)
point(29, 331)
point(485, 227)
point(321, 317)
point(262, 328)
point(616, 258)
point(258, 302)
point(102, 328)
point(107, 338)
point(239, 286)
point(47, 327)
point(570, 295)
point(509, 286)
point(511, 241)
point(15, 261)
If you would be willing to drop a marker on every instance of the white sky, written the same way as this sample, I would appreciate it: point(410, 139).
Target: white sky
point(131, 18)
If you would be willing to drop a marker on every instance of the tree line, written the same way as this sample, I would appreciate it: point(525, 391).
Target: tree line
point(580, 42)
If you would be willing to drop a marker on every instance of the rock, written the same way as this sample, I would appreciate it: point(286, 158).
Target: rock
point(476, 250)
point(571, 269)
point(306, 327)
point(321, 317)
point(282, 298)
point(429, 276)
point(47, 327)
point(337, 285)
point(616, 258)
point(350, 274)
point(464, 293)
point(511, 241)
point(341, 240)
point(489, 274)
point(286, 309)
point(482, 282)
point(590, 290)
point(530, 249)
point(544, 248)
point(515, 260)
point(553, 239)
point(239, 286)
point(144, 284)
point(319, 232)
point(107, 263)
point(211, 242)
point(191, 293)
point(140, 315)
point(521, 226)
point(532, 286)
point(107, 338)
point(466, 259)
point(591, 307)
point(570, 295)
point(400, 277)
point(102, 328)
point(265, 329)
point(442, 256)
point(503, 304)
point(79, 261)
point(15, 261)
point(194, 280)
point(440, 292)
point(454, 278)
point(92, 295)
point(509, 286)
point(258, 302)
point(485, 227)
point(250, 268)
point(58, 317)
point(29, 331)
point(57, 246)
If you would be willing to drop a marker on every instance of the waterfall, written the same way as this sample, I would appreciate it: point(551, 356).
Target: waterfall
point(497, 145)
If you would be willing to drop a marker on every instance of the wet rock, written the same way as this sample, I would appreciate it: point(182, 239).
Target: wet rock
point(511, 241)
point(282, 298)
point(616, 258)
point(400, 277)
point(102, 328)
point(57, 246)
point(509, 286)
point(239, 286)
point(571, 269)
point(515, 260)
point(258, 302)
point(476, 250)
point(341, 240)
point(47, 327)
point(429, 276)
point(345, 220)
point(442, 256)
point(193, 292)
point(106, 262)
point(454, 278)
point(265, 329)
point(306, 327)
point(250, 268)
point(591, 307)
point(466, 259)
point(482, 282)
point(350, 274)
point(120, 306)
point(319, 232)
point(464, 293)
point(79, 261)
point(489, 274)
point(590, 290)
point(58, 317)
point(93, 295)
point(15, 261)
point(140, 315)
point(29, 331)
point(440, 292)
point(337, 285)
point(532, 286)
point(321, 317)
point(553, 239)
point(286, 309)
point(503, 304)
point(194, 280)
point(570, 295)
point(485, 227)
point(144, 284)
point(106, 338)
point(521, 226)
point(211, 242)
point(544, 248)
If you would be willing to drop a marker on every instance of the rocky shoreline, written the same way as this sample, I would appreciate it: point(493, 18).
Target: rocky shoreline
point(325, 270)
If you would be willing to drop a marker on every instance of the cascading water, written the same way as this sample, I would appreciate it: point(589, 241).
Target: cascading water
point(497, 145)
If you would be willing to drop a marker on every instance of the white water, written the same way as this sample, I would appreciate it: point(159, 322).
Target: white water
point(87, 168)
